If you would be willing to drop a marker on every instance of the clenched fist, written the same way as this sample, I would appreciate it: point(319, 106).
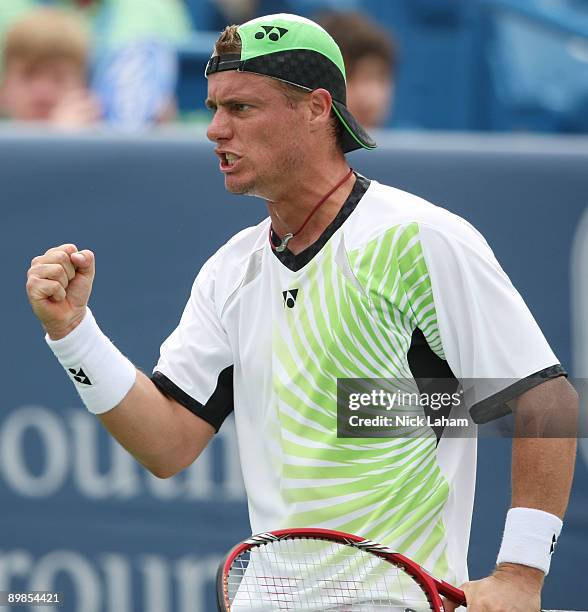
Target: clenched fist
point(59, 286)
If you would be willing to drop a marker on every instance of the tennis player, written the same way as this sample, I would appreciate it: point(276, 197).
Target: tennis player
point(346, 278)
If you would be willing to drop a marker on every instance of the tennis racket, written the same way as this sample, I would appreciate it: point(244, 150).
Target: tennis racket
point(314, 570)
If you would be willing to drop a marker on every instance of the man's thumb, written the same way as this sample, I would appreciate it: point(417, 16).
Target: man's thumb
point(84, 262)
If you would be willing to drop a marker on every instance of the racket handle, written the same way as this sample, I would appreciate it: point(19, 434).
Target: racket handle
point(451, 592)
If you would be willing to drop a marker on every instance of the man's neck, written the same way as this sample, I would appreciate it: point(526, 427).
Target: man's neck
point(289, 213)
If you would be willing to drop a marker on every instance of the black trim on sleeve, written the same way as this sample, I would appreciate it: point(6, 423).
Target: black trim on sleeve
point(495, 406)
point(216, 409)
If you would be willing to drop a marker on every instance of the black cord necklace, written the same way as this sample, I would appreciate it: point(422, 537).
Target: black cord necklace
point(286, 239)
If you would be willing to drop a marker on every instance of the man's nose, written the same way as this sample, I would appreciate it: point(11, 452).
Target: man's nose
point(219, 127)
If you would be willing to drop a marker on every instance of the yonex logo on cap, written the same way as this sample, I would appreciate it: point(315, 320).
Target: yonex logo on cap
point(272, 32)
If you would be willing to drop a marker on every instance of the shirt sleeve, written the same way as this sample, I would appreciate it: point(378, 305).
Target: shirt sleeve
point(196, 364)
point(484, 329)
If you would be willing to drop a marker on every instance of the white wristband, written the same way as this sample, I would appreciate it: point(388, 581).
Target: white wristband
point(101, 374)
point(529, 538)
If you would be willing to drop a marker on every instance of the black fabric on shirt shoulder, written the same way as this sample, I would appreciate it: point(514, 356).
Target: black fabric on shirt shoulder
point(297, 262)
point(216, 409)
point(496, 406)
point(431, 374)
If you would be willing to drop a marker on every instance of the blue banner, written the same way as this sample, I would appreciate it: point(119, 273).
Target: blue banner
point(78, 514)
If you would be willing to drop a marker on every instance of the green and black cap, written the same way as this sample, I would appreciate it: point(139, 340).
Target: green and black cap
point(298, 51)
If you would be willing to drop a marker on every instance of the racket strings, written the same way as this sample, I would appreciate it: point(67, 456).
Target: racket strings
point(311, 575)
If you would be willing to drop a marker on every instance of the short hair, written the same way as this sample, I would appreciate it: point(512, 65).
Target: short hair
point(359, 37)
point(47, 34)
point(229, 41)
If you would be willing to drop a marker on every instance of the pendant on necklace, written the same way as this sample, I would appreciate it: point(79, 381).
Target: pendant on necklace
point(285, 240)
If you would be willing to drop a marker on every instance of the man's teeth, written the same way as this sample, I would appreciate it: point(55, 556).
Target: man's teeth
point(231, 159)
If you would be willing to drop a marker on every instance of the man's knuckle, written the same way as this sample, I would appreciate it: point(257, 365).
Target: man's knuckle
point(57, 274)
point(38, 289)
point(54, 288)
point(70, 273)
point(40, 271)
point(54, 271)
point(62, 258)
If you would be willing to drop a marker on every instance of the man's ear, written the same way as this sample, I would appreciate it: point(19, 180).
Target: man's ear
point(320, 104)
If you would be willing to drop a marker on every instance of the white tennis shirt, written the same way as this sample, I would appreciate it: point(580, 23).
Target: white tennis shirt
point(396, 288)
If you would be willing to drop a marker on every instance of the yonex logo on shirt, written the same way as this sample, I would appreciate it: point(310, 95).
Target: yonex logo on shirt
point(272, 32)
point(290, 297)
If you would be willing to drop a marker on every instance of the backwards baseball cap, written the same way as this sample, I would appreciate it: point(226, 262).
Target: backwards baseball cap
point(297, 51)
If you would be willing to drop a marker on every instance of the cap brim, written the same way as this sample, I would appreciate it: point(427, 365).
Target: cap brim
point(354, 136)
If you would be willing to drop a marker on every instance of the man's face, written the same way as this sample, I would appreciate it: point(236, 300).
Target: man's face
point(369, 91)
point(32, 92)
point(260, 138)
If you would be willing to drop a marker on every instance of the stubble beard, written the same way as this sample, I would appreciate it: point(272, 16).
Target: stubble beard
point(292, 160)
point(245, 189)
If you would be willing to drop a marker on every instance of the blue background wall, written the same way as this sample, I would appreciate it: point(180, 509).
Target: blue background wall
point(76, 513)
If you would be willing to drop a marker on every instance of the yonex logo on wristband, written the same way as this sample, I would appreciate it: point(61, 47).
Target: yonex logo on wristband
point(80, 376)
point(553, 544)
point(272, 32)
point(87, 345)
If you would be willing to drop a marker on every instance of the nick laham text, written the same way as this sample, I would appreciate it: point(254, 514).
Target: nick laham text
point(406, 421)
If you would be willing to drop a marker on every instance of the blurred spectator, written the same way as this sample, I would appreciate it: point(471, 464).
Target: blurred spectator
point(136, 84)
point(370, 61)
point(114, 23)
point(44, 71)
point(10, 11)
point(135, 69)
point(135, 73)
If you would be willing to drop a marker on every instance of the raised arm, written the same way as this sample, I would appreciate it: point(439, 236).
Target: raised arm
point(159, 432)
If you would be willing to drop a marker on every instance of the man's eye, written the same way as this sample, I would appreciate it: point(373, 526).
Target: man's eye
point(241, 107)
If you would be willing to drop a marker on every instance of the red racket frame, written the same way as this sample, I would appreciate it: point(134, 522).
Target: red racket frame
point(432, 587)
